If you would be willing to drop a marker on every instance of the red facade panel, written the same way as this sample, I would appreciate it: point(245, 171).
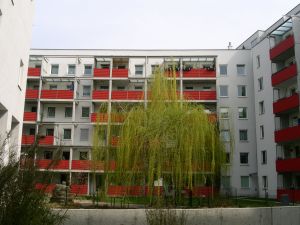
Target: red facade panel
point(287, 134)
point(127, 95)
point(200, 73)
point(79, 189)
point(52, 164)
point(32, 94)
point(200, 95)
point(288, 165)
point(282, 47)
point(57, 94)
point(34, 72)
point(294, 195)
point(286, 104)
point(101, 95)
point(283, 75)
point(121, 73)
point(30, 116)
point(101, 72)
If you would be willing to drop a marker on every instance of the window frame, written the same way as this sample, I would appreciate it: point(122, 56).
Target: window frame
point(240, 132)
point(84, 94)
point(54, 112)
point(227, 90)
point(66, 112)
point(81, 134)
point(69, 69)
point(242, 157)
point(226, 68)
point(264, 157)
point(241, 66)
point(85, 69)
point(248, 181)
point(221, 113)
point(238, 94)
point(64, 134)
point(51, 71)
point(82, 112)
point(242, 118)
point(140, 73)
point(261, 108)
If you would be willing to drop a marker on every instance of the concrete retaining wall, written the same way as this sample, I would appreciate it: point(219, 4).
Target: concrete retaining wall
point(218, 216)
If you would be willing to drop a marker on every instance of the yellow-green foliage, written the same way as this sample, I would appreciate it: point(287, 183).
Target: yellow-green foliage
point(170, 139)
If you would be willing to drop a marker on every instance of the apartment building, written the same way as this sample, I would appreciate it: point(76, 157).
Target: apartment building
point(253, 91)
point(15, 35)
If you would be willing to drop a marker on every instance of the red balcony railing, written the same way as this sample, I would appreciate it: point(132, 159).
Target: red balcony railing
point(30, 139)
point(91, 165)
point(101, 95)
point(288, 165)
point(98, 72)
point(120, 73)
point(285, 74)
point(34, 72)
point(200, 95)
point(294, 195)
point(200, 73)
point(286, 104)
point(57, 94)
point(48, 188)
point(103, 117)
point(287, 134)
point(30, 116)
point(52, 164)
point(32, 94)
point(127, 95)
point(282, 46)
point(79, 189)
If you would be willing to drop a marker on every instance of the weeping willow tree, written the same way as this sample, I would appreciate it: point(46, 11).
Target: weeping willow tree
point(169, 142)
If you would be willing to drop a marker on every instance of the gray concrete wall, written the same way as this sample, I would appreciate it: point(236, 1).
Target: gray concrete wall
point(219, 216)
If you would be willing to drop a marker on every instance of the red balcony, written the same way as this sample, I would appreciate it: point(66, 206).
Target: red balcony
point(283, 75)
point(200, 73)
point(288, 165)
point(121, 73)
point(101, 95)
point(98, 72)
point(57, 94)
point(79, 189)
point(47, 188)
point(282, 47)
point(52, 164)
point(30, 139)
point(294, 195)
point(103, 117)
point(91, 165)
point(32, 94)
point(200, 95)
point(34, 72)
point(286, 104)
point(287, 134)
point(127, 95)
point(30, 116)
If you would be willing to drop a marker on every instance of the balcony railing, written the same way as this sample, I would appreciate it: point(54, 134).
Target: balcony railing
point(122, 73)
point(282, 46)
point(98, 72)
point(127, 95)
point(52, 164)
point(30, 116)
point(199, 73)
point(34, 72)
point(103, 118)
point(32, 94)
point(287, 134)
point(91, 165)
point(294, 195)
point(200, 95)
point(288, 165)
point(286, 104)
point(100, 95)
point(47, 188)
point(284, 74)
point(79, 189)
point(57, 94)
point(30, 140)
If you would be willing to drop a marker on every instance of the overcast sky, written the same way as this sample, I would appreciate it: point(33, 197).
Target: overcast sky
point(152, 24)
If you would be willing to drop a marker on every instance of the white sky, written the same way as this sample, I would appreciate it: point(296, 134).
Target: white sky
point(152, 24)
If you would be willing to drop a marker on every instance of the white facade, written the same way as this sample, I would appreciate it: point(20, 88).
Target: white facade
point(15, 36)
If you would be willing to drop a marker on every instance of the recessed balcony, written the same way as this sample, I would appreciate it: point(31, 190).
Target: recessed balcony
point(30, 116)
point(91, 165)
point(34, 72)
point(282, 47)
point(32, 94)
point(79, 189)
point(288, 165)
point(100, 95)
point(200, 95)
point(286, 104)
point(288, 134)
point(116, 73)
point(30, 140)
point(52, 164)
point(127, 95)
point(98, 72)
point(57, 94)
point(284, 75)
point(199, 73)
point(121, 73)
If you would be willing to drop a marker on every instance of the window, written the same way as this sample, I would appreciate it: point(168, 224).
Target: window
point(53, 87)
point(240, 69)
point(121, 87)
point(245, 183)
point(225, 181)
point(223, 91)
point(88, 69)
point(83, 155)
point(206, 88)
point(139, 70)
point(84, 134)
point(262, 132)
point(85, 112)
point(243, 135)
point(54, 69)
point(189, 88)
point(72, 69)
point(105, 66)
point(50, 132)
point(67, 134)
point(68, 112)
point(260, 83)
point(242, 112)
point(103, 87)
point(51, 112)
point(258, 61)
point(86, 91)
point(261, 107)
point(243, 158)
point(242, 91)
point(265, 182)
point(264, 157)
point(224, 113)
point(225, 135)
point(70, 87)
point(138, 87)
point(223, 70)
point(154, 68)
point(47, 155)
point(227, 158)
